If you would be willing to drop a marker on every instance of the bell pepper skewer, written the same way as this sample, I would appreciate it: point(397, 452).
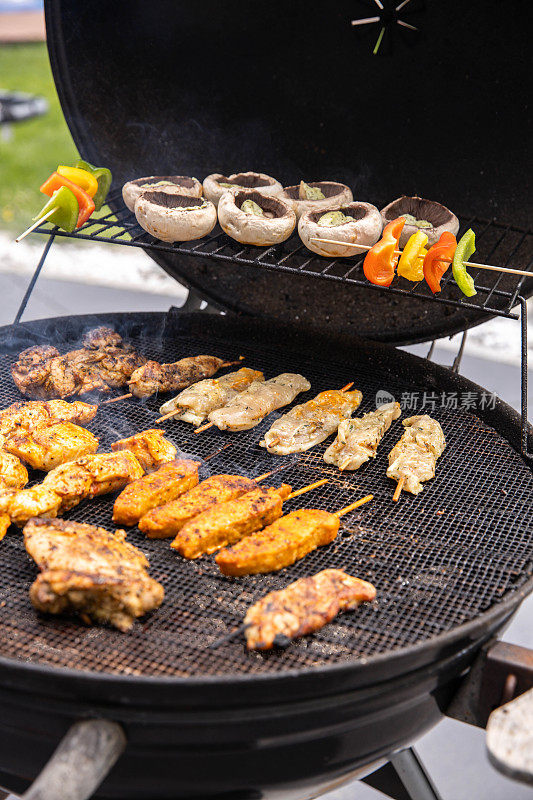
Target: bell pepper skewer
point(438, 259)
point(85, 202)
point(62, 209)
point(103, 177)
point(409, 265)
point(81, 177)
point(35, 225)
point(463, 251)
point(380, 262)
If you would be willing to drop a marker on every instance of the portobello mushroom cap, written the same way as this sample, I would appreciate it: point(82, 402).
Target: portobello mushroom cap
point(275, 224)
point(173, 184)
point(441, 218)
point(335, 196)
point(262, 183)
point(364, 226)
point(175, 217)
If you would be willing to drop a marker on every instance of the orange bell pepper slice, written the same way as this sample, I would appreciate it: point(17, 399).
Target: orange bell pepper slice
point(438, 259)
point(85, 202)
point(380, 262)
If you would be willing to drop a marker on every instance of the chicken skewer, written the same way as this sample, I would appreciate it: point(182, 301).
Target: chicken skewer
point(413, 459)
point(28, 414)
point(165, 484)
point(308, 424)
point(195, 403)
point(228, 522)
point(150, 447)
point(358, 439)
point(285, 541)
point(250, 407)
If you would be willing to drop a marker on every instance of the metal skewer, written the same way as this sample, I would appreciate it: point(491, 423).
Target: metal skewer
point(35, 224)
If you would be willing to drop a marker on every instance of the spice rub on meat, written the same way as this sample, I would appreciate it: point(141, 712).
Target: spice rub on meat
point(303, 607)
point(150, 448)
point(358, 439)
point(414, 458)
point(165, 484)
point(46, 446)
point(89, 571)
point(154, 377)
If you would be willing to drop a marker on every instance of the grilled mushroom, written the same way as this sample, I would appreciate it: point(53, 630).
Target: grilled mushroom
point(173, 184)
point(318, 196)
point(357, 222)
point(175, 217)
point(251, 218)
point(426, 215)
point(215, 185)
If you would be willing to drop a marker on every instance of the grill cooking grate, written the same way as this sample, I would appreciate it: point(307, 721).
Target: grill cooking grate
point(498, 244)
point(437, 560)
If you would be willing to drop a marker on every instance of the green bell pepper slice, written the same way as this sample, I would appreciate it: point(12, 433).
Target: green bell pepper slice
point(104, 178)
point(465, 248)
point(66, 206)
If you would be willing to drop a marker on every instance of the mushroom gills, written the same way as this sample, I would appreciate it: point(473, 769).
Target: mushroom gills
point(306, 192)
point(331, 219)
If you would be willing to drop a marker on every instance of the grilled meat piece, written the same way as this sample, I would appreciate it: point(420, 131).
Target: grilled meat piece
point(358, 439)
point(32, 369)
point(303, 607)
point(25, 415)
point(13, 474)
point(197, 401)
point(285, 541)
point(102, 338)
point(5, 522)
point(89, 571)
point(414, 457)
point(251, 406)
point(155, 377)
point(168, 519)
point(149, 447)
point(228, 522)
point(165, 484)
point(310, 423)
point(46, 446)
point(22, 504)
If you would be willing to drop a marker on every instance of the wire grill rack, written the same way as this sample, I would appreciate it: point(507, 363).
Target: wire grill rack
point(498, 244)
point(437, 560)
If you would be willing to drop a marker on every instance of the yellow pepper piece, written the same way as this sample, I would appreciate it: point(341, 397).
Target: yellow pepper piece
point(411, 264)
point(81, 178)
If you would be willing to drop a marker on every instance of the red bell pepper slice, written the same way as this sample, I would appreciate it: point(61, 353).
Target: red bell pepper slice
point(85, 201)
point(438, 259)
point(380, 263)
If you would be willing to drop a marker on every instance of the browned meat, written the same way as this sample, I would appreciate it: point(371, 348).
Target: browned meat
point(5, 522)
point(23, 504)
point(281, 544)
point(89, 571)
point(165, 484)
point(48, 445)
point(102, 337)
point(154, 377)
point(168, 519)
point(149, 447)
point(303, 607)
point(25, 415)
point(13, 474)
point(228, 522)
point(32, 368)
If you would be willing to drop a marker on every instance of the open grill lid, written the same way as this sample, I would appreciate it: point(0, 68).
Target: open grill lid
point(294, 90)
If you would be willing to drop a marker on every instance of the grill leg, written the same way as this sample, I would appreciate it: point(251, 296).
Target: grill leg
point(194, 302)
point(404, 778)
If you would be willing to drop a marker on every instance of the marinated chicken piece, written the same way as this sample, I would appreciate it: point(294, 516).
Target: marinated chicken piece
point(165, 484)
point(23, 504)
point(25, 415)
point(251, 406)
point(281, 544)
point(197, 401)
point(13, 474)
point(117, 366)
point(101, 338)
point(228, 522)
point(414, 457)
point(155, 377)
point(89, 571)
point(310, 423)
point(46, 446)
point(5, 522)
point(32, 369)
point(149, 447)
point(169, 519)
point(303, 607)
point(358, 439)
point(92, 476)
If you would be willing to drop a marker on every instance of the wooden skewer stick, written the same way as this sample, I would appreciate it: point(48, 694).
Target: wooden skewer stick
point(272, 472)
point(116, 399)
point(35, 225)
point(204, 427)
point(522, 272)
point(220, 449)
point(351, 507)
point(348, 386)
point(307, 488)
point(398, 490)
point(167, 416)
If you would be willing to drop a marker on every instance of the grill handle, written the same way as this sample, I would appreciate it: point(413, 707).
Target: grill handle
point(80, 763)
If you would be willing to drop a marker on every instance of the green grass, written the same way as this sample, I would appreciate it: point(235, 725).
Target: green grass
point(37, 146)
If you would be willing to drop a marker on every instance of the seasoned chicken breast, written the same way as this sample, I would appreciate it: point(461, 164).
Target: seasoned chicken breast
point(165, 484)
point(414, 458)
point(23, 504)
point(26, 415)
point(47, 445)
point(89, 571)
point(94, 475)
point(5, 522)
point(358, 439)
point(248, 408)
point(150, 448)
point(32, 369)
point(154, 377)
point(13, 474)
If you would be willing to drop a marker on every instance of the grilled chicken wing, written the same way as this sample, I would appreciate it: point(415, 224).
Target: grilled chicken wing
point(285, 541)
point(155, 377)
point(149, 447)
point(248, 408)
point(31, 370)
point(310, 423)
point(168, 519)
point(165, 484)
point(46, 446)
point(197, 401)
point(303, 607)
point(414, 457)
point(13, 474)
point(228, 522)
point(89, 571)
point(358, 439)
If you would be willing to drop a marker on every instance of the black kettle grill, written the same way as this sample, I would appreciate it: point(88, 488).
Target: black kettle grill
point(294, 90)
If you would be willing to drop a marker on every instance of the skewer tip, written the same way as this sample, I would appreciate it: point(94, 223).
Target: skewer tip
point(352, 506)
point(307, 488)
point(116, 399)
point(204, 427)
point(398, 490)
